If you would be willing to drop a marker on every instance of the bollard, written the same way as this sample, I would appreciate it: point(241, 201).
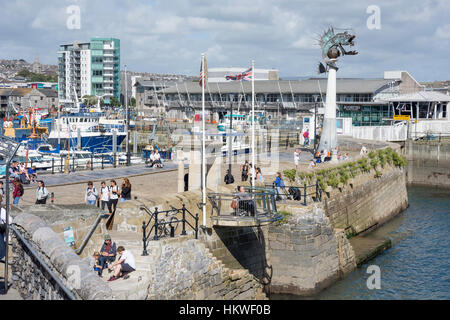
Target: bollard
point(304, 195)
point(53, 165)
point(92, 162)
point(52, 197)
point(115, 160)
point(172, 231)
point(61, 169)
point(103, 166)
point(196, 226)
point(155, 237)
point(73, 164)
point(144, 240)
point(183, 232)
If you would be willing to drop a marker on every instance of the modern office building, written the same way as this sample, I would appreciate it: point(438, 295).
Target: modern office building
point(91, 68)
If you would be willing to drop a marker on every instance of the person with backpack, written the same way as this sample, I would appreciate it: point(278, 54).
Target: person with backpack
point(104, 196)
point(91, 195)
point(41, 193)
point(18, 191)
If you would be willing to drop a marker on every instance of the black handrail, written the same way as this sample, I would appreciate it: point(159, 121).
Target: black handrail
point(157, 224)
point(317, 193)
point(33, 252)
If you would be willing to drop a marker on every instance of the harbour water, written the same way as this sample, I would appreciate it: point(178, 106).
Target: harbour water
point(418, 264)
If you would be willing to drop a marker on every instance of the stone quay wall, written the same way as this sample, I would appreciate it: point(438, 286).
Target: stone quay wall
point(184, 268)
point(307, 255)
point(33, 282)
point(369, 203)
point(428, 164)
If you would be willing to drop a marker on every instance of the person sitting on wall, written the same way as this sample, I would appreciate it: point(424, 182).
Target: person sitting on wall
point(124, 265)
point(107, 253)
point(157, 162)
point(327, 157)
point(363, 151)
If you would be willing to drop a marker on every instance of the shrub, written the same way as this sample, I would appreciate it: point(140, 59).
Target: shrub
point(285, 215)
point(333, 180)
point(372, 154)
point(374, 163)
point(290, 174)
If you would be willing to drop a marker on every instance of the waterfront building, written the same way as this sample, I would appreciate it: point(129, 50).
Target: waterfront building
point(219, 74)
point(365, 101)
point(21, 99)
point(91, 68)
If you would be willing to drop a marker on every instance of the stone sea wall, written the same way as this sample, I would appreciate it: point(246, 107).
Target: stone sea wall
point(428, 164)
point(307, 255)
point(185, 269)
point(33, 282)
point(369, 202)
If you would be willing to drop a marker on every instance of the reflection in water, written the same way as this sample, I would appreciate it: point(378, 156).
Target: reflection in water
point(418, 264)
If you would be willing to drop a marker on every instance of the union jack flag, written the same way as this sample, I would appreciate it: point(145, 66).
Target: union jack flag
point(205, 72)
point(244, 76)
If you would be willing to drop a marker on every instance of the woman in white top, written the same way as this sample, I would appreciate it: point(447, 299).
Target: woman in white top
point(104, 196)
point(113, 196)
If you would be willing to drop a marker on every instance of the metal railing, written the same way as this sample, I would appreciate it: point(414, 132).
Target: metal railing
point(47, 269)
point(160, 221)
point(255, 202)
point(299, 193)
point(90, 232)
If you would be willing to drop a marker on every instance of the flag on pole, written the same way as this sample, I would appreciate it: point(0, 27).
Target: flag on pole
point(247, 75)
point(203, 73)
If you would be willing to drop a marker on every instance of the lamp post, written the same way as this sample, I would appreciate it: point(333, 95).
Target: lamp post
point(230, 139)
point(315, 124)
point(127, 118)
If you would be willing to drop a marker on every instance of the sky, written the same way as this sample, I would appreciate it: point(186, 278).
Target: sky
point(168, 36)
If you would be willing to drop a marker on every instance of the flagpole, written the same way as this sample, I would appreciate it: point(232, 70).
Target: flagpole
point(253, 124)
point(203, 144)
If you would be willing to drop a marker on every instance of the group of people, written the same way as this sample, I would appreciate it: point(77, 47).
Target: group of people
point(20, 171)
point(248, 171)
point(105, 259)
point(155, 159)
point(108, 196)
point(42, 193)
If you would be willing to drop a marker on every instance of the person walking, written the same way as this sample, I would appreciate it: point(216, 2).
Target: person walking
point(259, 176)
point(91, 195)
point(114, 195)
point(126, 190)
point(104, 197)
point(297, 157)
point(244, 171)
point(306, 138)
point(18, 191)
point(41, 193)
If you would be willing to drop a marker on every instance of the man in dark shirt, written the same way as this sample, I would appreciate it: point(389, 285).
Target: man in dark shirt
point(229, 179)
point(107, 253)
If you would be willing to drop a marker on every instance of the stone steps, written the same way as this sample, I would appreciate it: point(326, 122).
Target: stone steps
point(133, 288)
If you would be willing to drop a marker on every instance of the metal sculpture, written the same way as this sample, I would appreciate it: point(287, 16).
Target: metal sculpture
point(332, 46)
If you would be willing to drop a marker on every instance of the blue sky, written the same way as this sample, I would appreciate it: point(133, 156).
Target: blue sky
point(169, 36)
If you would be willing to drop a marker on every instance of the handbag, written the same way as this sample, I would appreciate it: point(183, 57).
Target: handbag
point(234, 204)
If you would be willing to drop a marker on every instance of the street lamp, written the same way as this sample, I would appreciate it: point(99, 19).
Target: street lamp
point(127, 118)
point(316, 97)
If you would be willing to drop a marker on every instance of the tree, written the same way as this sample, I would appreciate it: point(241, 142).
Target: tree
point(133, 102)
point(89, 100)
point(114, 102)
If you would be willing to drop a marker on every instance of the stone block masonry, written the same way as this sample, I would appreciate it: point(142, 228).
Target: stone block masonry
point(307, 255)
point(33, 282)
point(369, 203)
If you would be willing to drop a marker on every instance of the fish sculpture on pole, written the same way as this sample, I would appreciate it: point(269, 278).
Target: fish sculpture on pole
point(332, 45)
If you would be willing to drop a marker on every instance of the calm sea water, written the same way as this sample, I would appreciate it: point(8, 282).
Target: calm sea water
point(418, 264)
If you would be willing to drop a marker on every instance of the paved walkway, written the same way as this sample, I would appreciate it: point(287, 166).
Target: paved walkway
point(99, 174)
